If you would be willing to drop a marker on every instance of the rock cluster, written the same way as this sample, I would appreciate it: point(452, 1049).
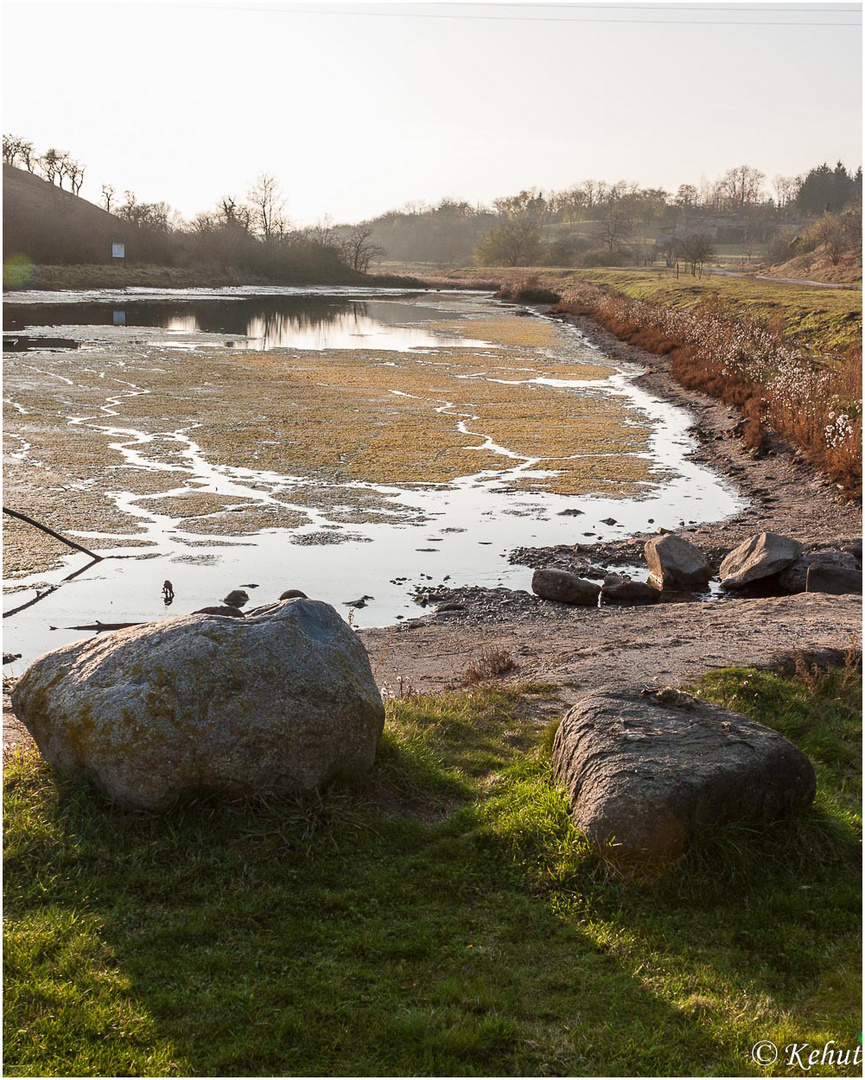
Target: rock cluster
point(676, 565)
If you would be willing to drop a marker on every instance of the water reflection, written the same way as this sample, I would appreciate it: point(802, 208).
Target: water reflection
point(258, 322)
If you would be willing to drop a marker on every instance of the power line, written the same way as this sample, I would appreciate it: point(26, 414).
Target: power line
point(848, 9)
point(513, 18)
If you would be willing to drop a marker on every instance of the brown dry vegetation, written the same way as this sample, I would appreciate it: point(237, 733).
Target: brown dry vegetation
point(814, 403)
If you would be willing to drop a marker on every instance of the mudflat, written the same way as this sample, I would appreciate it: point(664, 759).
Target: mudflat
point(385, 417)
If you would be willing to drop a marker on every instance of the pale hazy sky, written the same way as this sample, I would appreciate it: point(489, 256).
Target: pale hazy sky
point(358, 108)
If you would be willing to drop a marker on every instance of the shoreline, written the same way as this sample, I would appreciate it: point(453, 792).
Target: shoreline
point(579, 648)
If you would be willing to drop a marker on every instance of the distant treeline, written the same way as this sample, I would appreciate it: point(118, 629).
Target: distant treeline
point(595, 223)
point(592, 223)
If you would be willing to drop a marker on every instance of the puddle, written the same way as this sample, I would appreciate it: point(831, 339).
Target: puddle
point(451, 534)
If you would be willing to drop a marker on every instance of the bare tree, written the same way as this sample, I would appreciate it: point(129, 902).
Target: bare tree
point(11, 148)
point(76, 176)
point(267, 202)
point(687, 197)
point(831, 230)
point(358, 249)
point(108, 196)
point(594, 191)
point(696, 249)
point(669, 249)
point(50, 162)
point(322, 232)
point(786, 189)
point(233, 214)
point(742, 186)
point(28, 155)
point(616, 220)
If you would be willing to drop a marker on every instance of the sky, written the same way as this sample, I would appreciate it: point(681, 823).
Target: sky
point(359, 108)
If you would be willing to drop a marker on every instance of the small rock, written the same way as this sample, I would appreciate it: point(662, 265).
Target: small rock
point(676, 564)
point(564, 587)
point(759, 557)
point(227, 611)
point(571, 513)
point(293, 594)
point(838, 580)
point(236, 598)
point(629, 592)
point(11, 657)
point(609, 521)
point(795, 578)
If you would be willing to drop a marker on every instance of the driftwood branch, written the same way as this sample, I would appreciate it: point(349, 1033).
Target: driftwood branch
point(51, 532)
point(47, 592)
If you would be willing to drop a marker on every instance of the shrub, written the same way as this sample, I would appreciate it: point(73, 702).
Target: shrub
point(745, 363)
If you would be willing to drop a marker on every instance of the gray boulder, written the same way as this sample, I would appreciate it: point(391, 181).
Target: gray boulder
point(225, 610)
point(676, 564)
point(795, 578)
point(834, 579)
point(629, 592)
point(758, 557)
point(565, 587)
point(280, 701)
point(644, 773)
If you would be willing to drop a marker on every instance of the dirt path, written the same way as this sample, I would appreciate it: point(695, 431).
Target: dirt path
point(582, 648)
point(783, 280)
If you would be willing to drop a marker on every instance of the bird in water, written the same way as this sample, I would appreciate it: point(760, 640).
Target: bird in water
point(167, 592)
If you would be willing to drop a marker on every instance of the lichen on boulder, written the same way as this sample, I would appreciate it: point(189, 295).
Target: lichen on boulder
point(281, 701)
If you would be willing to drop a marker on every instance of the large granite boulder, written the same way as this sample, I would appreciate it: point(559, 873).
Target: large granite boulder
point(565, 587)
point(795, 578)
point(645, 772)
point(758, 557)
point(676, 564)
point(281, 701)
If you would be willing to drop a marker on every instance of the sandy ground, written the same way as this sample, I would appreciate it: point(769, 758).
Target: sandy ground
point(580, 648)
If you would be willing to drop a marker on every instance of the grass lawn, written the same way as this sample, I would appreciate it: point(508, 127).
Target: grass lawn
point(443, 919)
point(825, 320)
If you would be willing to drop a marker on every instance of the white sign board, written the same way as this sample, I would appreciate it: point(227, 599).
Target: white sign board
point(118, 251)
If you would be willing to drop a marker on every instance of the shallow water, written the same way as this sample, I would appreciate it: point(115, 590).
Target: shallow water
point(454, 534)
point(221, 317)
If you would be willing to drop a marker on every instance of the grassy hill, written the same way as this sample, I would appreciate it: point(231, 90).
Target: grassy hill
point(49, 225)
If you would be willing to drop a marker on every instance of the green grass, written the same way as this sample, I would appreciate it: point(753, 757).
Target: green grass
point(443, 919)
point(825, 320)
point(828, 321)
